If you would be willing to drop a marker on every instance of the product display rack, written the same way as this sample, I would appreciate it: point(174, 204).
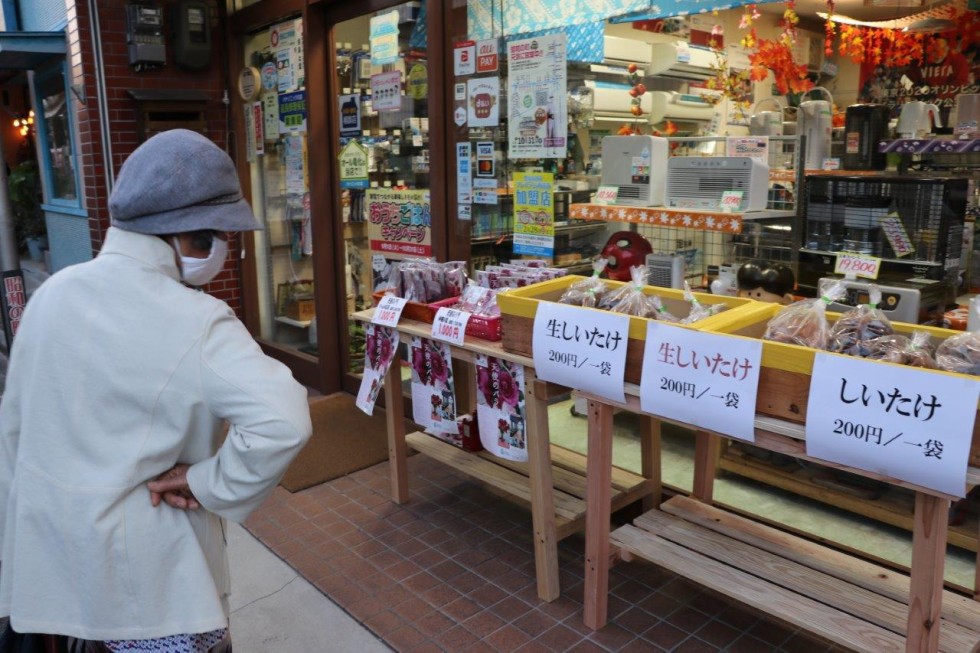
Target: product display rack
point(552, 482)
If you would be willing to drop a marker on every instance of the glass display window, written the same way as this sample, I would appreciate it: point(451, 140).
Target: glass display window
point(277, 151)
point(383, 74)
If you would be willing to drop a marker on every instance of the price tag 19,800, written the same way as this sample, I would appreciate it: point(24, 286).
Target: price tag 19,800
point(389, 310)
point(450, 325)
point(859, 265)
point(704, 379)
point(895, 421)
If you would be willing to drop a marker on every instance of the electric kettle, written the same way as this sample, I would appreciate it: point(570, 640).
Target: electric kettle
point(814, 120)
point(913, 120)
point(766, 123)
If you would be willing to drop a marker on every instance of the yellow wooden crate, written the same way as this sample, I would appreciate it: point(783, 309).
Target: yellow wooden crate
point(784, 380)
point(519, 306)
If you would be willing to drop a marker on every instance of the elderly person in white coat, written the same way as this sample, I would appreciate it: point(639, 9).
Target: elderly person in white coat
point(119, 375)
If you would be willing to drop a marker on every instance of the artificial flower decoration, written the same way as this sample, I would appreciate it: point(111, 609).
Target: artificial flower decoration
point(636, 91)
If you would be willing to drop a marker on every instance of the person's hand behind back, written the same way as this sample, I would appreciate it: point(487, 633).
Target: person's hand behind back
point(171, 487)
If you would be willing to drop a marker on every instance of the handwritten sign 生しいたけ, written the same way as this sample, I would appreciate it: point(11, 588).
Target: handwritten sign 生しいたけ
point(581, 348)
point(704, 379)
point(901, 422)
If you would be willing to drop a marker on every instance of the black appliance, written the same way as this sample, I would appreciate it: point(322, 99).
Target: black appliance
point(865, 125)
point(915, 224)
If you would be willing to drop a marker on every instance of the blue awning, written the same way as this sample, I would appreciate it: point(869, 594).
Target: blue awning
point(29, 50)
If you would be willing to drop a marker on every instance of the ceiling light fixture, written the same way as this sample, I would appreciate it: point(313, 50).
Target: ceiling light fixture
point(939, 17)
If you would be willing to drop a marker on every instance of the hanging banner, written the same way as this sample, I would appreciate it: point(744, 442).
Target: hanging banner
point(500, 407)
point(249, 133)
point(433, 390)
point(258, 133)
point(270, 115)
point(353, 161)
point(380, 346)
point(537, 97)
point(534, 214)
point(384, 38)
point(399, 222)
point(14, 300)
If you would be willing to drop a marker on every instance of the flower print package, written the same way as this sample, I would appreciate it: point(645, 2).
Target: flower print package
point(433, 391)
point(500, 407)
point(380, 347)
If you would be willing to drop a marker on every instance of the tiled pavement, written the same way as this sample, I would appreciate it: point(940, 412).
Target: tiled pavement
point(453, 570)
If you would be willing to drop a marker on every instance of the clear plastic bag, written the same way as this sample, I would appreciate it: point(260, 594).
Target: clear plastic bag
point(698, 310)
point(855, 328)
point(896, 348)
point(805, 322)
point(961, 353)
point(587, 292)
point(659, 311)
point(630, 299)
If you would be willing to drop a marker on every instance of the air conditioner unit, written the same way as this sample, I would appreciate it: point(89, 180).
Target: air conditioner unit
point(665, 270)
point(698, 182)
point(611, 102)
point(683, 61)
point(680, 107)
point(637, 166)
point(620, 52)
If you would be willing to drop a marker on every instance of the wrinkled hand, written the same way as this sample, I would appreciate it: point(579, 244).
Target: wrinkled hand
point(171, 487)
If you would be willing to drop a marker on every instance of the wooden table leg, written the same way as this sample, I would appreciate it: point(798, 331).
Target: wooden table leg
point(395, 417)
point(650, 467)
point(597, 514)
point(926, 583)
point(705, 463)
point(538, 439)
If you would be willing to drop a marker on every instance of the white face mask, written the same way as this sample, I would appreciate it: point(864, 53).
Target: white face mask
point(199, 271)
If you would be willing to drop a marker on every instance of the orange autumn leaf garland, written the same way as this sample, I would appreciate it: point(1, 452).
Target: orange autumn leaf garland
point(776, 55)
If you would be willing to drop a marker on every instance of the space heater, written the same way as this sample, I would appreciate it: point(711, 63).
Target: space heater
point(665, 270)
point(699, 182)
point(637, 167)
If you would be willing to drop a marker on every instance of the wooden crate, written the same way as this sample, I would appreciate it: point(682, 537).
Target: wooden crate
point(519, 306)
point(784, 380)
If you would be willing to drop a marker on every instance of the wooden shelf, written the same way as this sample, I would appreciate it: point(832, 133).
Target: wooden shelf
point(856, 604)
point(510, 477)
point(894, 507)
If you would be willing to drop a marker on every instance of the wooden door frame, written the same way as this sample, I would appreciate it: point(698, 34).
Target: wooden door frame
point(324, 126)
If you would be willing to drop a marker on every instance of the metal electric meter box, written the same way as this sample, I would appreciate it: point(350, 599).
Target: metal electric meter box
point(144, 35)
point(192, 34)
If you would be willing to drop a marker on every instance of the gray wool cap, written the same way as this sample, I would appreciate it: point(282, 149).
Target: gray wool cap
point(179, 181)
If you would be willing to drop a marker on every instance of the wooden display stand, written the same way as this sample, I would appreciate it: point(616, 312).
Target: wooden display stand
point(552, 482)
point(855, 604)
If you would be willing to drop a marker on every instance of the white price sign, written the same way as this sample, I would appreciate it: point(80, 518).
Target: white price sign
point(859, 265)
point(389, 310)
point(900, 422)
point(731, 201)
point(703, 379)
point(581, 348)
point(450, 325)
point(606, 195)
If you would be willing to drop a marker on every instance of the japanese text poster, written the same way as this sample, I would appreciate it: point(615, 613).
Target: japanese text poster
point(581, 348)
point(433, 391)
point(380, 347)
point(500, 407)
point(292, 112)
point(350, 115)
point(386, 91)
point(700, 378)
point(399, 222)
point(897, 421)
point(384, 38)
point(536, 83)
point(353, 161)
point(534, 214)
